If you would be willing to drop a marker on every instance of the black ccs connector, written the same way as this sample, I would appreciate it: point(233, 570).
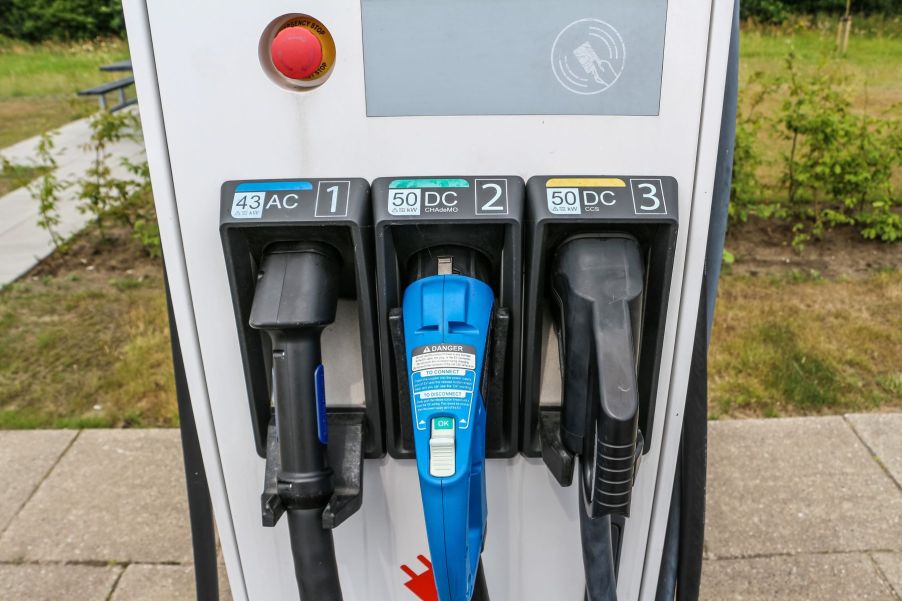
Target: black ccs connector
point(597, 284)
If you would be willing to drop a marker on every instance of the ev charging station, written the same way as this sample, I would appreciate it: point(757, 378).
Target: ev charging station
point(438, 272)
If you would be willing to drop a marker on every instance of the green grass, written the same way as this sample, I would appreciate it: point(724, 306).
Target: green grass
point(86, 350)
point(871, 64)
point(38, 84)
point(13, 176)
point(792, 345)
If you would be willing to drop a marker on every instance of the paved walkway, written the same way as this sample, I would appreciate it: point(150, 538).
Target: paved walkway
point(798, 509)
point(22, 242)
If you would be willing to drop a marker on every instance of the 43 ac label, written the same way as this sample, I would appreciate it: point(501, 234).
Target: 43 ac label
point(248, 205)
point(327, 198)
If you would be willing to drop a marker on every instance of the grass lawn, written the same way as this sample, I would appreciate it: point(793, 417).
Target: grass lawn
point(792, 344)
point(871, 64)
point(85, 343)
point(38, 84)
point(787, 340)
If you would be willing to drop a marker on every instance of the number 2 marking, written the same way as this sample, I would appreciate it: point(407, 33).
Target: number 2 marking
point(490, 205)
point(496, 190)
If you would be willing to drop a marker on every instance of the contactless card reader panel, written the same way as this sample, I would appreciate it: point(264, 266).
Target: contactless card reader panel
point(530, 57)
point(478, 213)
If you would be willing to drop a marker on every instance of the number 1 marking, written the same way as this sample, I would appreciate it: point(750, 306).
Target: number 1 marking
point(332, 199)
point(334, 191)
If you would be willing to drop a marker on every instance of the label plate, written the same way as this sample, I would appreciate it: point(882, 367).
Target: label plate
point(443, 378)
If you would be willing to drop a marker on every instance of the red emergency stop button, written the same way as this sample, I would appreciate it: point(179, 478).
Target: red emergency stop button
point(296, 52)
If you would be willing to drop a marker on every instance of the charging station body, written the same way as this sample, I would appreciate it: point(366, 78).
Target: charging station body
point(465, 91)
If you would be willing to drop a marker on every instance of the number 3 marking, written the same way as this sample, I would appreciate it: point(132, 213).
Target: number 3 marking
point(651, 196)
point(648, 196)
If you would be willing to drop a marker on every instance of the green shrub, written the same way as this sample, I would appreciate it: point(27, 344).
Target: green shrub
point(45, 189)
point(839, 166)
point(35, 21)
point(123, 201)
point(775, 12)
point(108, 199)
point(764, 11)
point(886, 7)
point(746, 192)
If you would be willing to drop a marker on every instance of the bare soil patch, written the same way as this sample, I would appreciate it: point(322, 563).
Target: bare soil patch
point(763, 247)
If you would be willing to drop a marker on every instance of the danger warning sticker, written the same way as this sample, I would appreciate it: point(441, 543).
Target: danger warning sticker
point(443, 379)
point(444, 355)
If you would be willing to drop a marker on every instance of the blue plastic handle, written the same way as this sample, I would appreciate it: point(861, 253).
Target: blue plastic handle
point(446, 326)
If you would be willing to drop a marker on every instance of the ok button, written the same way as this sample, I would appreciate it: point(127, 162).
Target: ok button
point(441, 448)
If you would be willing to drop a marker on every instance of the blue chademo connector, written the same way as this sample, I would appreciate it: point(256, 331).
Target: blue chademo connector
point(447, 318)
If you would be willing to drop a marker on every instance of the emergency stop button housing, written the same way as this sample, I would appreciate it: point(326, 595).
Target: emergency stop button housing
point(297, 52)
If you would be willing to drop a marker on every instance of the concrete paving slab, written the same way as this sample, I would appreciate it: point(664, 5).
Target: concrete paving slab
point(31, 582)
point(67, 140)
point(18, 259)
point(794, 578)
point(17, 207)
point(68, 144)
point(882, 433)
point(143, 582)
point(25, 459)
point(116, 495)
point(796, 485)
point(890, 565)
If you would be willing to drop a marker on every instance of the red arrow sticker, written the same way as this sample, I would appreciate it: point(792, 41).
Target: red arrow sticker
point(423, 584)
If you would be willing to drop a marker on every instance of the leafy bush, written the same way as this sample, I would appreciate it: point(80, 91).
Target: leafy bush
point(776, 12)
point(886, 7)
point(745, 188)
point(45, 189)
point(35, 21)
point(764, 11)
point(123, 201)
point(109, 200)
point(838, 166)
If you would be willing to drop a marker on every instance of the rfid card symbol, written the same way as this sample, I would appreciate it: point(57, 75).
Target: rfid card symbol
point(588, 56)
